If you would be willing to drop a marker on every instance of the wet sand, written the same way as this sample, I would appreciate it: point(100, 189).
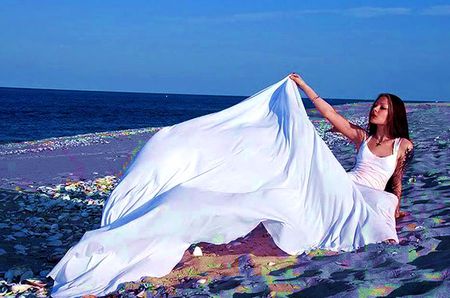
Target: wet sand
point(52, 191)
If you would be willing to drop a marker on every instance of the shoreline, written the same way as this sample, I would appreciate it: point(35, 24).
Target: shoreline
point(105, 134)
point(193, 94)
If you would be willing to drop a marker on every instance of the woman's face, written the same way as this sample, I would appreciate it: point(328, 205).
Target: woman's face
point(379, 114)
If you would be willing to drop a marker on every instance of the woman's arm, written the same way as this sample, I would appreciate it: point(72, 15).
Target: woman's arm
point(355, 133)
point(405, 157)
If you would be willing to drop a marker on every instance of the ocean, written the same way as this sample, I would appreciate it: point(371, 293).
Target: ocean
point(34, 114)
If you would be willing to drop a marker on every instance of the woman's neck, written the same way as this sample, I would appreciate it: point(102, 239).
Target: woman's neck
point(382, 133)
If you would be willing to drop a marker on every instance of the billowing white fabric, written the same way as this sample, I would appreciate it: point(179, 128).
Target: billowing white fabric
point(215, 178)
point(372, 170)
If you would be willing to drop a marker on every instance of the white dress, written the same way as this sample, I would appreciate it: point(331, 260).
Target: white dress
point(372, 170)
point(214, 179)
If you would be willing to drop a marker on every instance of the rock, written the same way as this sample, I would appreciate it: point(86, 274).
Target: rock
point(35, 282)
point(17, 227)
point(197, 252)
point(16, 289)
point(55, 243)
point(19, 247)
point(44, 273)
point(432, 172)
point(44, 196)
point(19, 234)
point(16, 272)
point(3, 288)
point(55, 237)
point(201, 281)
point(26, 275)
point(62, 216)
point(55, 257)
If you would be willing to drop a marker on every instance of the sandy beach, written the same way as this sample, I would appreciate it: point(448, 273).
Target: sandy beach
point(52, 191)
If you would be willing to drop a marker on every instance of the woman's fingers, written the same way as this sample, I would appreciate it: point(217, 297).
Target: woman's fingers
point(294, 75)
point(400, 214)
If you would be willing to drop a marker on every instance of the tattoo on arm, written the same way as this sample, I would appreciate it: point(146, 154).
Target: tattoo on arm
point(399, 171)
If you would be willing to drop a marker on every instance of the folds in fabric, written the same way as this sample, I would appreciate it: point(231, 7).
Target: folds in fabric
point(215, 178)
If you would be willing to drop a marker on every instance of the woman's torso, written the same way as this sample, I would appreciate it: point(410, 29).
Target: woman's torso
point(372, 170)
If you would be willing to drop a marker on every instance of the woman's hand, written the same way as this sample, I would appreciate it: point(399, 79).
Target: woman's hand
point(400, 214)
point(298, 80)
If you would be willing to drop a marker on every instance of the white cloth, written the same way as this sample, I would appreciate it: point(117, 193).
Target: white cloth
point(214, 179)
point(372, 170)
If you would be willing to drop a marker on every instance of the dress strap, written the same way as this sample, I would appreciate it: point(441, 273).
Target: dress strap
point(397, 143)
point(366, 139)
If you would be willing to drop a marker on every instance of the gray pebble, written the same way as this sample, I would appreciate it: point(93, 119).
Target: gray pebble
point(55, 243)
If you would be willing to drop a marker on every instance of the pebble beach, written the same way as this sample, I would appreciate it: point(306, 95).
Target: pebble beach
point(52, 191)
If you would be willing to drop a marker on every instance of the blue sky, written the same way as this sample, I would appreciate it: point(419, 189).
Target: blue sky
point(352, 50)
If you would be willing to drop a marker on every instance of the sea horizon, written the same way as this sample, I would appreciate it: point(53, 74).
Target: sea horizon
point(198, 94)
point(31, 114)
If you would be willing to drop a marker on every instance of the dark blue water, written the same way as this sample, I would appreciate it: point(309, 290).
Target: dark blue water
point(33, 114)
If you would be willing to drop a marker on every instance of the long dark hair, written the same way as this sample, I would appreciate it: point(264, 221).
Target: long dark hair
point(397, 127)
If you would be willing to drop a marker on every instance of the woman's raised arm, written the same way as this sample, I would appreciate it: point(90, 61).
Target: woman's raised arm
point(353, 132)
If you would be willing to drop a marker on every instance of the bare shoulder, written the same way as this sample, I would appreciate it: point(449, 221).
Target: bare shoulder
point(406, 146)
point(405, 154)
point(361, 135)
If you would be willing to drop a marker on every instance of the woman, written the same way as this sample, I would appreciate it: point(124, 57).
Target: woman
point(215, 178)
point(387, 142)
